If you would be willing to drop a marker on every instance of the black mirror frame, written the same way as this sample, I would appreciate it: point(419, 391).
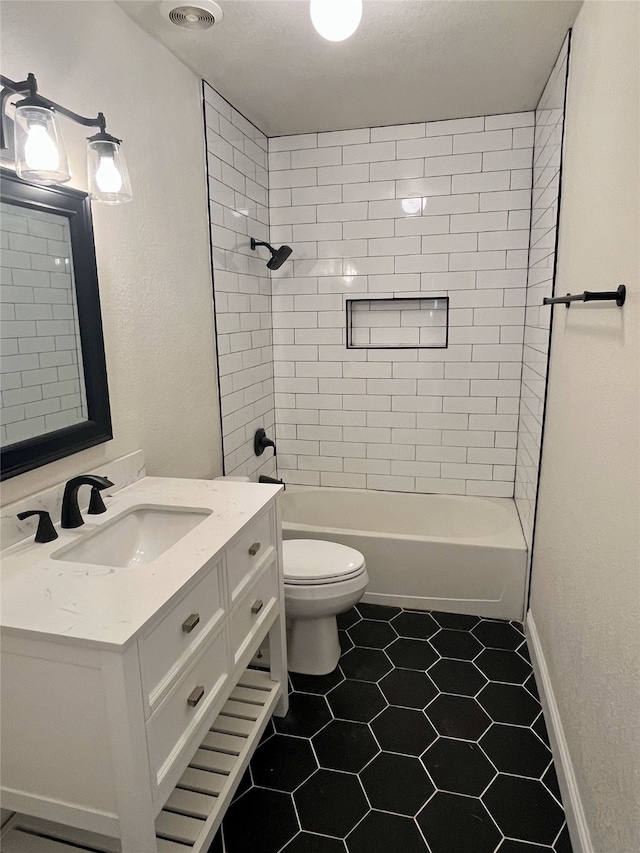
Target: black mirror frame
point(76, 206)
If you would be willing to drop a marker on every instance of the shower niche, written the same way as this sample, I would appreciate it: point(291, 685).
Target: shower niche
point(398, 323)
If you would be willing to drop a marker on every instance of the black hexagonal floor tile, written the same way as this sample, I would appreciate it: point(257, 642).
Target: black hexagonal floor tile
point(396, 783)
point(216, 844)
point(458, 766)
point(377, 611)
point(345, 641)
point(457, 676)
point(305, 842)
point(271, 771)
point(317, 684)
point(550, 779)
point(500, 665)
point(348, 618)
point(273, 822)
point(523, 651)
point(524, 809)
point(403, 730)
point(370, 634)
point(563, 842)
point(329, 803)
point(358, 701)
point(540, 728)
point(532, 687)
point(457, 621)
point(411, 654)
point(243, 785)
point(509, 703)
point(365, 664)
point(451, 822)
point(307, 715)
point(343, 745)
point(420, 626)
point(408, 688)
point(497, 635)
point(516, 750)
point(458, 716)
point(381, 833)
point(460, 645)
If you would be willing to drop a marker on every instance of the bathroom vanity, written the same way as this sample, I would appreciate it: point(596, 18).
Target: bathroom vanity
point(128, 710)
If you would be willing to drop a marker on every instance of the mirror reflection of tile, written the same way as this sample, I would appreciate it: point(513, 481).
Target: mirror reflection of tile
point(42, 378)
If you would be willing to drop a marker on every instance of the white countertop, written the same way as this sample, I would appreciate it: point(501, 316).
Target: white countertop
point(109, 607)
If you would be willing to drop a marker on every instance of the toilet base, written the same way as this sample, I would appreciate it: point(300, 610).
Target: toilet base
point(314, 646)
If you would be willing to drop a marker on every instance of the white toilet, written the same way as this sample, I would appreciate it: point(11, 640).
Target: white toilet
point(321, 579)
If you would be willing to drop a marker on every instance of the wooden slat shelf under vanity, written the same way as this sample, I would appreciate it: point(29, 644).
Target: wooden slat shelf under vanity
point(194, 810)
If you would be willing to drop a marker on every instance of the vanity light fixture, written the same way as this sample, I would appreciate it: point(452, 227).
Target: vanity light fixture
point(336, 20)
point(40, 156)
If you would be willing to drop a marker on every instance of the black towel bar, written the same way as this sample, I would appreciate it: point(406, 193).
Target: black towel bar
point(588, 296)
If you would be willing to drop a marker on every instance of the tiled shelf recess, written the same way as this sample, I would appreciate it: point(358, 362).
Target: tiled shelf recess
point(192, 814)
point(397, 323)
point(427, 738)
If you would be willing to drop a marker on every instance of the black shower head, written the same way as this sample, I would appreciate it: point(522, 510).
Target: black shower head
point(278, 256)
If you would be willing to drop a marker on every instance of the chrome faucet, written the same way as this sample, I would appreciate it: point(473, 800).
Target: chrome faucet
point(71, 515)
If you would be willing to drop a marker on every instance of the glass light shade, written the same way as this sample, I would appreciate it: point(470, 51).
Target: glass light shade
point(336, 20)
point(39, 149)
point(108, 174)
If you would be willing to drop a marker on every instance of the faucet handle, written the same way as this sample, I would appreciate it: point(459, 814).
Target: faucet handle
point(96, 504)
point(46, 531)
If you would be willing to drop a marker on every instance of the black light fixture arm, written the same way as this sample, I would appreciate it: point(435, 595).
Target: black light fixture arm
point(29, 87)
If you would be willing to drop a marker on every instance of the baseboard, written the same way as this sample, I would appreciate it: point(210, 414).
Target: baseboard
point(576, 821)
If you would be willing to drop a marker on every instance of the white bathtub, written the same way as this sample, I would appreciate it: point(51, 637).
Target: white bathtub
point(428, 552)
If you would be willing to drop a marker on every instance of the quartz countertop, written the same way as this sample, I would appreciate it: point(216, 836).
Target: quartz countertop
point(109, 607)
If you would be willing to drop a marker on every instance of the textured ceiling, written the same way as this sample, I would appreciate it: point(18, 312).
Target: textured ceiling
point(410, 60)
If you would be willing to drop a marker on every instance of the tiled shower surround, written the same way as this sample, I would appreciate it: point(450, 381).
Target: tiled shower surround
point(429, 209)
point(238, 181)
point(544, 224)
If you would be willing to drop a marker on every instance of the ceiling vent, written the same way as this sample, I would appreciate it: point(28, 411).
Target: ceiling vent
point(200, 15)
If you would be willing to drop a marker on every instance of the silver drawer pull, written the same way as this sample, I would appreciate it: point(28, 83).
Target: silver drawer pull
point(190, 623)
point(254, 549)
point(257, 606)
point(195, 696)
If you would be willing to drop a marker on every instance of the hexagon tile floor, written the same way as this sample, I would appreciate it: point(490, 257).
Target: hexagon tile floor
point(427, 738)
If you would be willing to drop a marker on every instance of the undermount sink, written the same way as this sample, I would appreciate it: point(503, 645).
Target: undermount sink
point(139, 536)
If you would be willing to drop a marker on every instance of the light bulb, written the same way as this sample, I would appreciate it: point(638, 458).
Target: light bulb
point(108, 178)
point(336, 20)
point(40, 151)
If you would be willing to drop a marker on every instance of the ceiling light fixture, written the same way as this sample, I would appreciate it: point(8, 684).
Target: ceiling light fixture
point(336, 20)
point(39, 152)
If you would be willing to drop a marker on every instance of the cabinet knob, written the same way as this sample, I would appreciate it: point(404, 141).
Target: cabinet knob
point(190, 623)
point(195, 696)
point(253, 550)
point(257, 606)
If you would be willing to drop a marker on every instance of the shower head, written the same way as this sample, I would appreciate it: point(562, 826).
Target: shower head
point(278, 256)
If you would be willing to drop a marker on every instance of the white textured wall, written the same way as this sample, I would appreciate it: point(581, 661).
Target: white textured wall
point(238, 187)
point(545, 196)
point(426, 209)
point(153, 257)
point(586, 576)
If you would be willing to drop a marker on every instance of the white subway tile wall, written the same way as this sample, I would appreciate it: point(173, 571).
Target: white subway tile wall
point(549, 123)
point(42, 388)
point(238, 203)
point(435, 209)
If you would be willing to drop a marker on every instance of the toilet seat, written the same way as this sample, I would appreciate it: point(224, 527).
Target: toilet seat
point(316, 561)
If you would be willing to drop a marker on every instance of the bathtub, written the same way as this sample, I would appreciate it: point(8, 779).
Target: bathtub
point(459, 554)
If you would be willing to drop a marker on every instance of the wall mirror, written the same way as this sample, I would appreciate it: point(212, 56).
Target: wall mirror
point(55, 397)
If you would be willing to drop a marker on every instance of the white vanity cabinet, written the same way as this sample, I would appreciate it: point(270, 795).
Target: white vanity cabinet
point(140, 748)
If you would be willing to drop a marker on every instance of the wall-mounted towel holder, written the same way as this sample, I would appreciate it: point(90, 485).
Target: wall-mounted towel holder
point(618, 295)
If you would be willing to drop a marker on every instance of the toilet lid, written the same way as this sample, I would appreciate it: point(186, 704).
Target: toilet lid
point(316, 561)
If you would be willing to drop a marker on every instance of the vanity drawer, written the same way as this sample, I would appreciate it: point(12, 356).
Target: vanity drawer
point(253, 609)
point(254, 548)
point(166, 647)
point(170, 727)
